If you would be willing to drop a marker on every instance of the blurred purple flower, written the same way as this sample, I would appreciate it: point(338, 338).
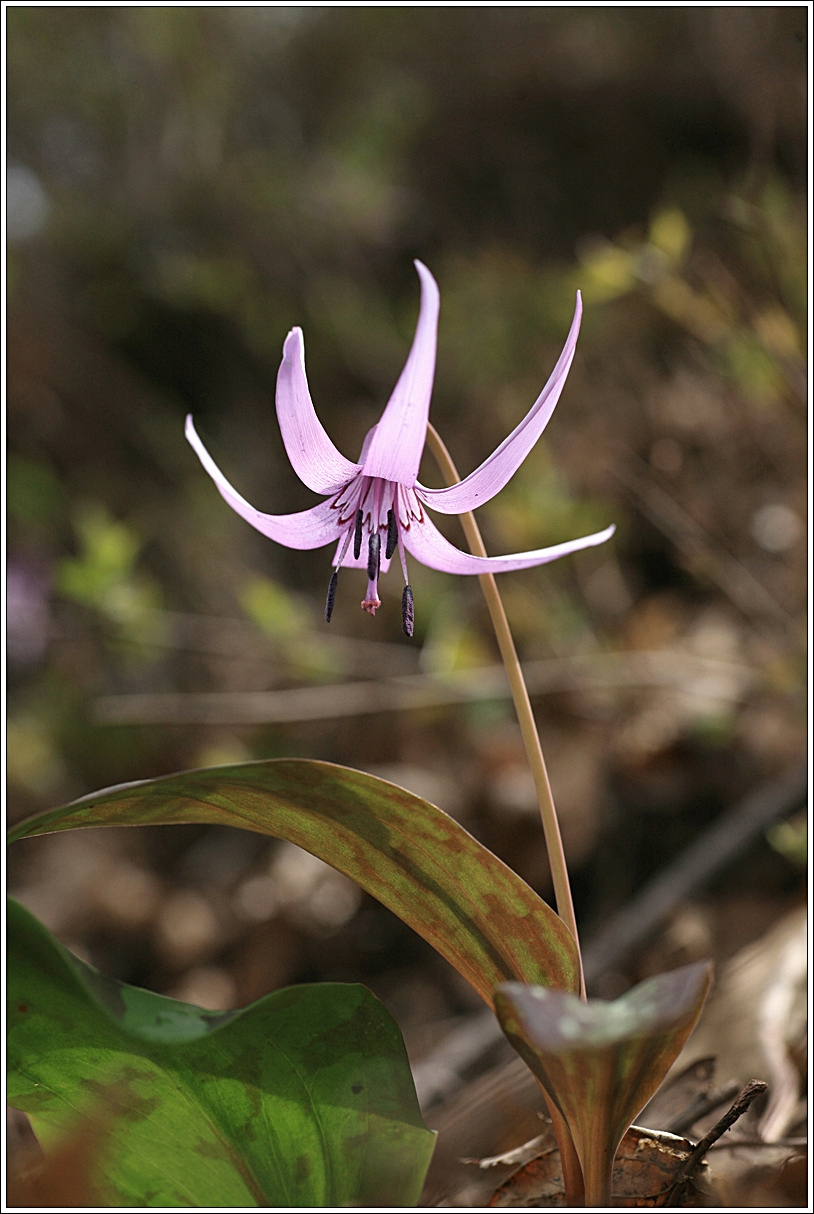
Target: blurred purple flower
point(377, 506)
point(27, 614)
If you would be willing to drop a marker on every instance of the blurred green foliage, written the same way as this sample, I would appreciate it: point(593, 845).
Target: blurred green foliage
point(103, 575)
point(790, 838)
point(274, 610)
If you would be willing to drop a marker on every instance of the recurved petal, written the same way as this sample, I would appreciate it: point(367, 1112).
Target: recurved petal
point(308, 529)
point(427, 544)
point(500, 467)
point(398, 441)
point(313, 456)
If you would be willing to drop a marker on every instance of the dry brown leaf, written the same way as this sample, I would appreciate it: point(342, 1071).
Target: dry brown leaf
point(646, 1166)
point(756, 1018)
point(63, 1178)
point(767, 1175)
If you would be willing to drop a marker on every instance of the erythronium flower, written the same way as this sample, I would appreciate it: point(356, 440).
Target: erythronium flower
point(376, 507)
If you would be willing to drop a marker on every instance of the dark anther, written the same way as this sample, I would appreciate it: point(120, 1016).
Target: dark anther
point(357, 536)
point(373, 548)
point(392, 535)
point(407, 611)
point(329, 602)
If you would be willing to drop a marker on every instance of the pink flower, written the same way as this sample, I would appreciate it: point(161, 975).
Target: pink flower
point(377, 507)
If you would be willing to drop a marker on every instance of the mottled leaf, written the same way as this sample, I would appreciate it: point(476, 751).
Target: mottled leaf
point(304, 1098)
point(601, 1062)
point(410, 855)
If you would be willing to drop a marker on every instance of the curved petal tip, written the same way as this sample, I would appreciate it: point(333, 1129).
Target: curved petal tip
point(293, 343)
point(427, 280)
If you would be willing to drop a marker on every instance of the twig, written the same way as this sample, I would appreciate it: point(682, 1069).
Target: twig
point(736, 581)
point(404, 692)
point(703, 1104)
point(753, 1143)
point(753, 1089)
point(694, 867)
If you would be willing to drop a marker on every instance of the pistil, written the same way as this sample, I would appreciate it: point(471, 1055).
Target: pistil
point(374, 546)
point(371, 601)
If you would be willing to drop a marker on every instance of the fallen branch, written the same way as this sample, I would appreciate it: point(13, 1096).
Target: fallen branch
point(753, 1089)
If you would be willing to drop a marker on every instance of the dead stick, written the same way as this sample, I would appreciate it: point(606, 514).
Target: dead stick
point(752, 1090)
point(707, 1102)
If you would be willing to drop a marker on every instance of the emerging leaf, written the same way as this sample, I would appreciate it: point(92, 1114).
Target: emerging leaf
point(414, 858)
point(304, 1098)
point(601, 1062)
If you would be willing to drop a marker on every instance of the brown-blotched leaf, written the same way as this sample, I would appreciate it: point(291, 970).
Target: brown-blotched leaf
point(304, 1098)
point(404, 851)
point(601, 1062)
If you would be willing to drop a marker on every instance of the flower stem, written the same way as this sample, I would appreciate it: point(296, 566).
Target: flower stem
point(522, 704)
point(571, 1167)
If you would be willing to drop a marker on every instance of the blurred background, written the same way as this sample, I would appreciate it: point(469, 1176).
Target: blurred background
point(186, 184)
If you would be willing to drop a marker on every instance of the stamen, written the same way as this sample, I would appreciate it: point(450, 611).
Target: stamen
point(407, 611)
point(373, 556)
point(392, 534)
point(357, 536)
point(329, 602)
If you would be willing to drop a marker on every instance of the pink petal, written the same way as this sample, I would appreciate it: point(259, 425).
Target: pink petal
point(500, 467)
point(308, 529)
point(313, 456)
point(428, 545)
point(398, 440)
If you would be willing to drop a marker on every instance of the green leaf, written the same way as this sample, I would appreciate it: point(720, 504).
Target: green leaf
point(601, 1062)
point(414, 858)
point(304, 1098)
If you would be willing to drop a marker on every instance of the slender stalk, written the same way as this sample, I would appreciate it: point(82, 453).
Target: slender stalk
point(572, 1179)
point(522, 704)
point(599, 1179)
point(575, 1189)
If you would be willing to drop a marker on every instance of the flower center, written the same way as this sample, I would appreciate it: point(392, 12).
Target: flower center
point(376, 510)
